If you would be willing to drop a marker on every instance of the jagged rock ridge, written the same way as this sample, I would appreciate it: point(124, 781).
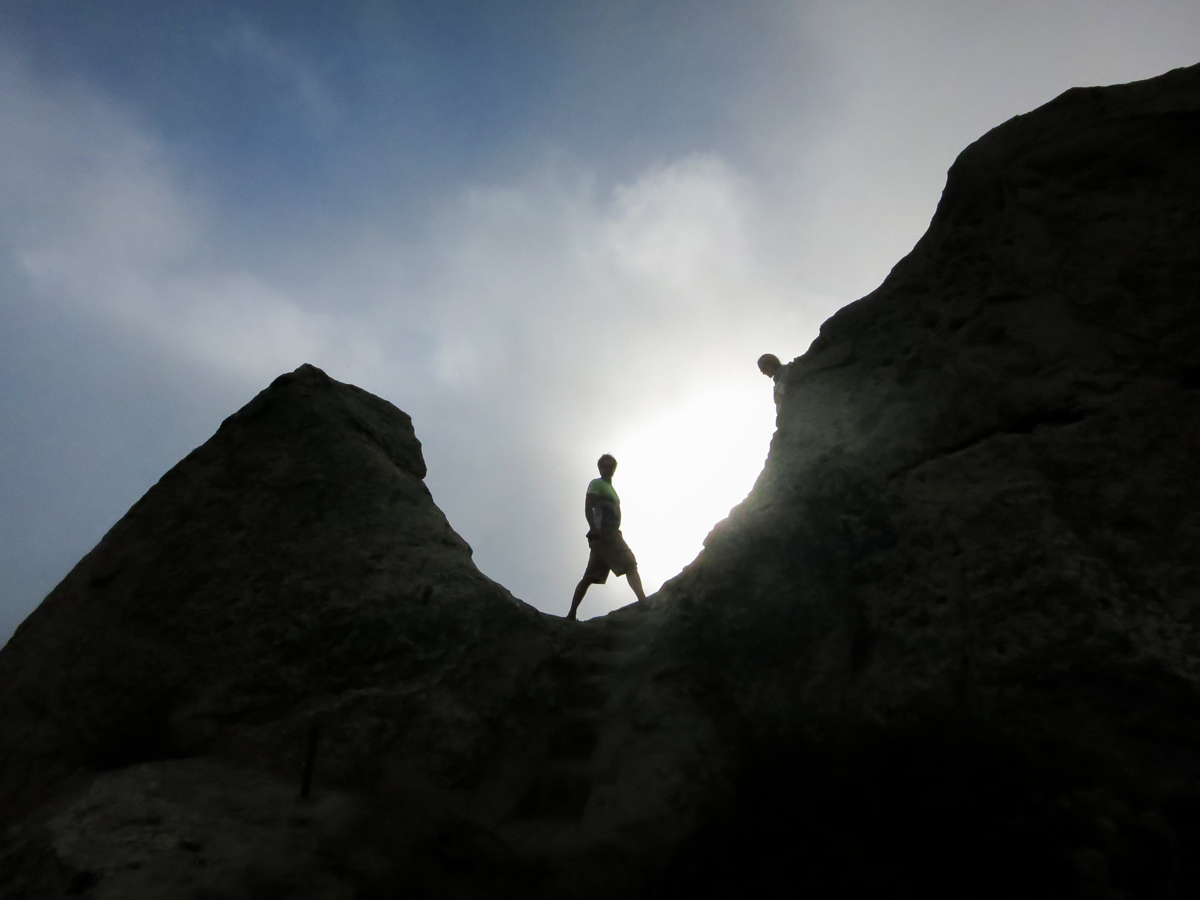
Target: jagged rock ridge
point(948, 645)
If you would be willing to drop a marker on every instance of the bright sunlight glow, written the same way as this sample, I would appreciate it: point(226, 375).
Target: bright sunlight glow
point(679, 474)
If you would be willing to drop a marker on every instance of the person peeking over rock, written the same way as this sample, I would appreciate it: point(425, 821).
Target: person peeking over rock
point(770, 366)
point(609, 552)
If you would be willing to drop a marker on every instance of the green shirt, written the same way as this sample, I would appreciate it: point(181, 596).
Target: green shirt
point(606, 495)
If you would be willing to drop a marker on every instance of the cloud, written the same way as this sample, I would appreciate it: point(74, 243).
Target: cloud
point(73, 166)
point(97, 223)
point(681, 228)
point(656, 276)
point(515, 280)
point(285, 68)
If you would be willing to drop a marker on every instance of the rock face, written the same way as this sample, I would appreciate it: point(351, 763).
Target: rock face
point(948, 646)
point(964, 592)
point(292, 570)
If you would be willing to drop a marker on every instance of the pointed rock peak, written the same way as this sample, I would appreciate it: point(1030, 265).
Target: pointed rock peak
point(308, 399)
point(293, 559)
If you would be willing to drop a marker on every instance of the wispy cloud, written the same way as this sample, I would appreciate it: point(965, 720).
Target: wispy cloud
point(295, 76)
point(103, 229)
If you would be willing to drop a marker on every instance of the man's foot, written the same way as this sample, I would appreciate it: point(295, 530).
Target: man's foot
point(580, 590)
point(635, 582)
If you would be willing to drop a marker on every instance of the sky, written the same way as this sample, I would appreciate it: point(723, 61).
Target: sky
point(546, 229)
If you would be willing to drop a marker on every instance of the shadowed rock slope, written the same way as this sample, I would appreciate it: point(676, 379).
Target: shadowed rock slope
point(946, 647)
point(955, 625)
point(294, 569)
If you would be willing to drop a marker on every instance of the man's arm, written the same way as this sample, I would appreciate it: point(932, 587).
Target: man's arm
point(589, 503)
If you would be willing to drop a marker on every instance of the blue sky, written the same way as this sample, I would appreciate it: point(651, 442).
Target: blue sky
point(544, 229)
point(258, 100)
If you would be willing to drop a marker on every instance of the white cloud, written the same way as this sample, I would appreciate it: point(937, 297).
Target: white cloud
point(655, 278)
point(682, 229)
point(96, 221)
point(509, 285)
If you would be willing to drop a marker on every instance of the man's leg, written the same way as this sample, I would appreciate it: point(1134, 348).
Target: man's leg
point(580, 590)
point(635, 582)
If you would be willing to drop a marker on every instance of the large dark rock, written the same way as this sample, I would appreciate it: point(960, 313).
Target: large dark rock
point(946, 647)
point(960, 609)
point(293, 569)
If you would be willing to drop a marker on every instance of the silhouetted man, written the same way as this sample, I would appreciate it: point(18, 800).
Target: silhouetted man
point(770, 366)
point(602, 507)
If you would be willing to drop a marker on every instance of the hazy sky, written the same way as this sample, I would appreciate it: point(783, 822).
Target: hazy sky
point(546, 230)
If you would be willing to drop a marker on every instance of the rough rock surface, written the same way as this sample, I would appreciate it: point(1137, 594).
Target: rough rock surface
point(948, 646)
point(292, 570)
point(964, 593)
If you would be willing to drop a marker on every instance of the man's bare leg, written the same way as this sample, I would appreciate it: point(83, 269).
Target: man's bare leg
point(635, 582)
point(580, 590)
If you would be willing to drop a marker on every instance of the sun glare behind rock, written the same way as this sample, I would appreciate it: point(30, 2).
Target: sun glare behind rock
point(681, 472)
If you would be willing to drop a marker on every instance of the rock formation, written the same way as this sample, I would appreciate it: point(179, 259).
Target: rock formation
point(963, 594)
point(948, 646)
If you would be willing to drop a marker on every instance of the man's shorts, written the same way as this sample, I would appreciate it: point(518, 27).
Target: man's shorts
point(609, 552)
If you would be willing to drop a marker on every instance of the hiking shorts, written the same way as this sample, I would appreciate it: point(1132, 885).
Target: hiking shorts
point(609, 553)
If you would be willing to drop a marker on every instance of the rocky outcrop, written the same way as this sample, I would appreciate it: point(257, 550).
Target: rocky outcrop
point(947, 647)
point(964, 590)
point(293, 570)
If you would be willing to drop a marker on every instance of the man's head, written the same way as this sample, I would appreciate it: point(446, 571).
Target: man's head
point(607, 464)
point(769, 364)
